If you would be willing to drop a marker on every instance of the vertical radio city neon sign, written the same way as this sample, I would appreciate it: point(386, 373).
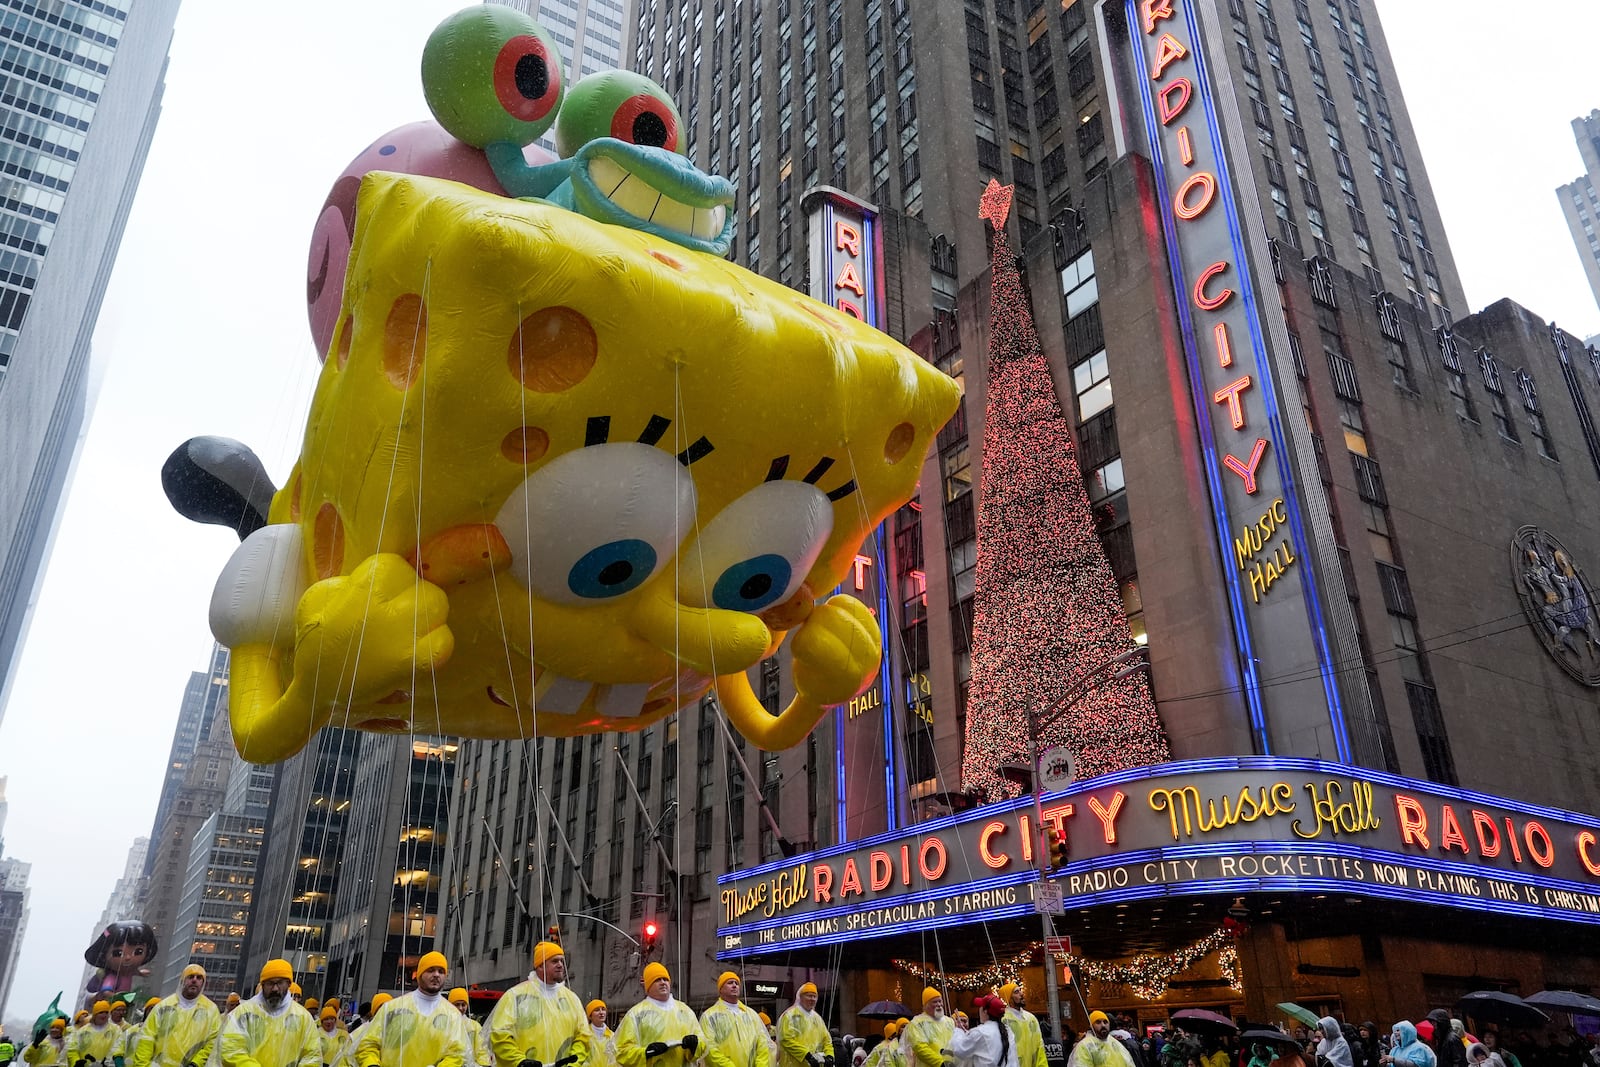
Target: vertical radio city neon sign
point(1272, 595)
point(846, 258)
point(853, 247)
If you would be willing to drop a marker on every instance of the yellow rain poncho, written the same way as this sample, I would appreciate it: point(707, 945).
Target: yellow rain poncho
point(482, 1054)
point(174, 1034)
point(928, 1038)
point(602, 1046)
point(802, 1034)
point(98, 1043)
point(736, 1032)
point(1029, 1038)
point(253, 1037)
point(1091, 1051)
point(669, 1022)
point(410, 1032)
point(336, 1046)
point(888, 1053)
point(47, 1053)
point(536, 1021)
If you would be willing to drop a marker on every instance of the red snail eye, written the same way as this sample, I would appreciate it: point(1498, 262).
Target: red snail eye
point(525, 81)
point(645, 120)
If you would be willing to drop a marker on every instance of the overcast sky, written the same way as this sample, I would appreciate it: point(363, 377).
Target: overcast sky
point(204, 331)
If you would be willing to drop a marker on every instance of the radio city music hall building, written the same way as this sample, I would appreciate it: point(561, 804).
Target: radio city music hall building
point(1350, 526)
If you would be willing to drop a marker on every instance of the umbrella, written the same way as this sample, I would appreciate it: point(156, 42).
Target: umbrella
point(1565, 1000)
point(886, 1009)
point(1492, 1005)
point(1200, 1021)
point(1298, 1014)
point(1271, 1037)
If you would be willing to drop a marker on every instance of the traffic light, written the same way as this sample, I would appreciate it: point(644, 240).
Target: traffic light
point(648, 935)
point(1060, 847)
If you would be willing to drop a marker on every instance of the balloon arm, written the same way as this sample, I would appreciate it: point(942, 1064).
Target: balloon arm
point(259, 708)
point(768, 732)
point(835, 650)
point(358, 638)
point(521, 178)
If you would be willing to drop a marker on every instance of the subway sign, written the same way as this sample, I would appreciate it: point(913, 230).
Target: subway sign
point(1255, 502)
point(1211, 826)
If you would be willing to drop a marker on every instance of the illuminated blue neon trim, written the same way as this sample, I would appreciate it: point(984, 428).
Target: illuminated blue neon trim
point(869, 310)
point(891, 776)
point(841, 805)
point(1341, 737)
point(1194, 766)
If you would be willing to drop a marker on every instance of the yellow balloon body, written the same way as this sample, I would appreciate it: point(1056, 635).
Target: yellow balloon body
point(561, 477)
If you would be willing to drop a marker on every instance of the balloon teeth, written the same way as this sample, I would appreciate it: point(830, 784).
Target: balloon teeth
point(620, 700)
point(555, 694)
point(633, 195)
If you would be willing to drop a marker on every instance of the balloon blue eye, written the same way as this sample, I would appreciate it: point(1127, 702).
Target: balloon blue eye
point(752, 584)
point(614, 568)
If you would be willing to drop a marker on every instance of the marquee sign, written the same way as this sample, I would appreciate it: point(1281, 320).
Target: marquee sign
point(1260, 533)
point(1220, 826)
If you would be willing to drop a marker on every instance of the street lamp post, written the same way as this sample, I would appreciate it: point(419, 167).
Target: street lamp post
point(1128, 663)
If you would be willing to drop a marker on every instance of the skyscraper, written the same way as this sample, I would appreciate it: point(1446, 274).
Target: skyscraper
point(388, 900)
point(211, 922)
point(13, 920)
point(878, 99)
point(205, 694)
point(194, 802)
point(127, 896)
point(83, 84)
point(591, 33)
point(297, 881)
point(1579, 201)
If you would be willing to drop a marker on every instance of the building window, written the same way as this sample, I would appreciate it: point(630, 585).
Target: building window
point(1091, 380)
point(1530, 402)
point(1321, 275)
point(1463, 399)
point(988, 155)
point(1091, 133)
point(956, 466)
point(1078, 285)
point(1105, 481)
point(1437, 762)
point(1498, 407)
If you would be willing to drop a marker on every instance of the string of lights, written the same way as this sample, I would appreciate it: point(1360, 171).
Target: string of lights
point(1046, 607)
point(1148, 975)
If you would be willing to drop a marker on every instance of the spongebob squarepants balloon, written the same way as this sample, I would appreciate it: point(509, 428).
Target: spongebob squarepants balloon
point(566, 469)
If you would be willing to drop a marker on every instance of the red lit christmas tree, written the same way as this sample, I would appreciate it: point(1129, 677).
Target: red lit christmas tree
point(1046, 610)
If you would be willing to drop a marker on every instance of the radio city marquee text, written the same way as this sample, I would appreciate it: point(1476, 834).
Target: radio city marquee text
point(1231, 807)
